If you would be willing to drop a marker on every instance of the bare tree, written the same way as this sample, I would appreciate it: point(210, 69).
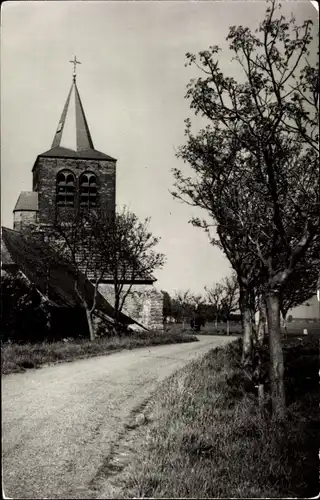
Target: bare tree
point(224, 297)
point(125, 249)
point(103, 245)
point(255, 174)
point(214, 296)
point(230, 298)
point(197, 300)
point(183, 305)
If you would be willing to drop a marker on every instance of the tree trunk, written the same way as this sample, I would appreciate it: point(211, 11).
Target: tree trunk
point(117, 312)
point(285, 326)
point(89, 320)
point(87, 310)
point(261, 395)
point(284, 322)
point(246, 326)
point(228, 327)
point(216, 323)
point(276, 356)
point(259, 354)
point(247, 336)
point(262, 320)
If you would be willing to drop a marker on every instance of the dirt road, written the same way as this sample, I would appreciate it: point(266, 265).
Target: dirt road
point(60, 422)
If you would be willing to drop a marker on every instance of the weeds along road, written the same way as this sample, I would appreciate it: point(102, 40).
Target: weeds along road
point(60, 422)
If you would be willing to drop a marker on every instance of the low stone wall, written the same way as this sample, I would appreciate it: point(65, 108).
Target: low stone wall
point(144, 304)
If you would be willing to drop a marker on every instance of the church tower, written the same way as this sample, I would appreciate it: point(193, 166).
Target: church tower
point(71, 175)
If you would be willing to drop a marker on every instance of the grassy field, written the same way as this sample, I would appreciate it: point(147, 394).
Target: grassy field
point(18, 358)
point(294, 328)
point(207, 438)
point(208, 329)
point(297, 328)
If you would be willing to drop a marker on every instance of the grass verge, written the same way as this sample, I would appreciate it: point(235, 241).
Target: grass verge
point(207, 329)
point(207, 437)
point(17, 358)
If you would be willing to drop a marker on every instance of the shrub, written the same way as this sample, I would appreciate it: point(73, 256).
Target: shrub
point(24, 315)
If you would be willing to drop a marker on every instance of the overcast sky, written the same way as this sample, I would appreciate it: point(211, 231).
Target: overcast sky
point(132, 84)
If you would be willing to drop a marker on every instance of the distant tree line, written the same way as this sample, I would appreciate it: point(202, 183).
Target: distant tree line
point(217, 304)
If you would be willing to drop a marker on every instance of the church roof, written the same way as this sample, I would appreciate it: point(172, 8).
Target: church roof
point(6, 259)
point(61, 152)
point(27, 201)
point(53, 277)
point(72, 138)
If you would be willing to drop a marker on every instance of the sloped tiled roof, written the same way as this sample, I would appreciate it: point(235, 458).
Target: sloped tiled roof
point(61, 152)
point(6, 259)
point(28, 200)
point(52, 276)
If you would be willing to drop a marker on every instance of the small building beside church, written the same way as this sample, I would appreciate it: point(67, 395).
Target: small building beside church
point(308, 311)
point(71, 175)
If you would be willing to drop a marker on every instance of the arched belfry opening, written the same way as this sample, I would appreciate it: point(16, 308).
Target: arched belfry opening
point(66, 189)
point(88, 190)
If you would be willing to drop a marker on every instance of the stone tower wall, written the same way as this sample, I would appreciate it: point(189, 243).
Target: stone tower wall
point(44, 182)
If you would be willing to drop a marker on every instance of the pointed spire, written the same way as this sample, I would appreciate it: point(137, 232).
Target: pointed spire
point(73, 131)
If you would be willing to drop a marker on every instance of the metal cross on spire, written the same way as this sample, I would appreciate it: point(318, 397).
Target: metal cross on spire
point(75, 62)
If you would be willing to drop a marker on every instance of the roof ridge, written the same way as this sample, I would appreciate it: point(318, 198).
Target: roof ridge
point(63, 152)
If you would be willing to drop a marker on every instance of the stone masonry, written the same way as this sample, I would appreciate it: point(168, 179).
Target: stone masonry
point(24, 219)
point(144, 303)
point(45, 173)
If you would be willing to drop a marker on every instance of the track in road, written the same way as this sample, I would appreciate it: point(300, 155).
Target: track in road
point(60, 422)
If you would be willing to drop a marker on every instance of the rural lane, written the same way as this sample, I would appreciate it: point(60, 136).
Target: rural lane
point(59, 423)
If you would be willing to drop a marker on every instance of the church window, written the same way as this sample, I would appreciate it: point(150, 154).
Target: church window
point(88, 190)
point(65, 189)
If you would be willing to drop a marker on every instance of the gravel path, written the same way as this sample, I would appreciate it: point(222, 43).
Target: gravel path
point(60, 422)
